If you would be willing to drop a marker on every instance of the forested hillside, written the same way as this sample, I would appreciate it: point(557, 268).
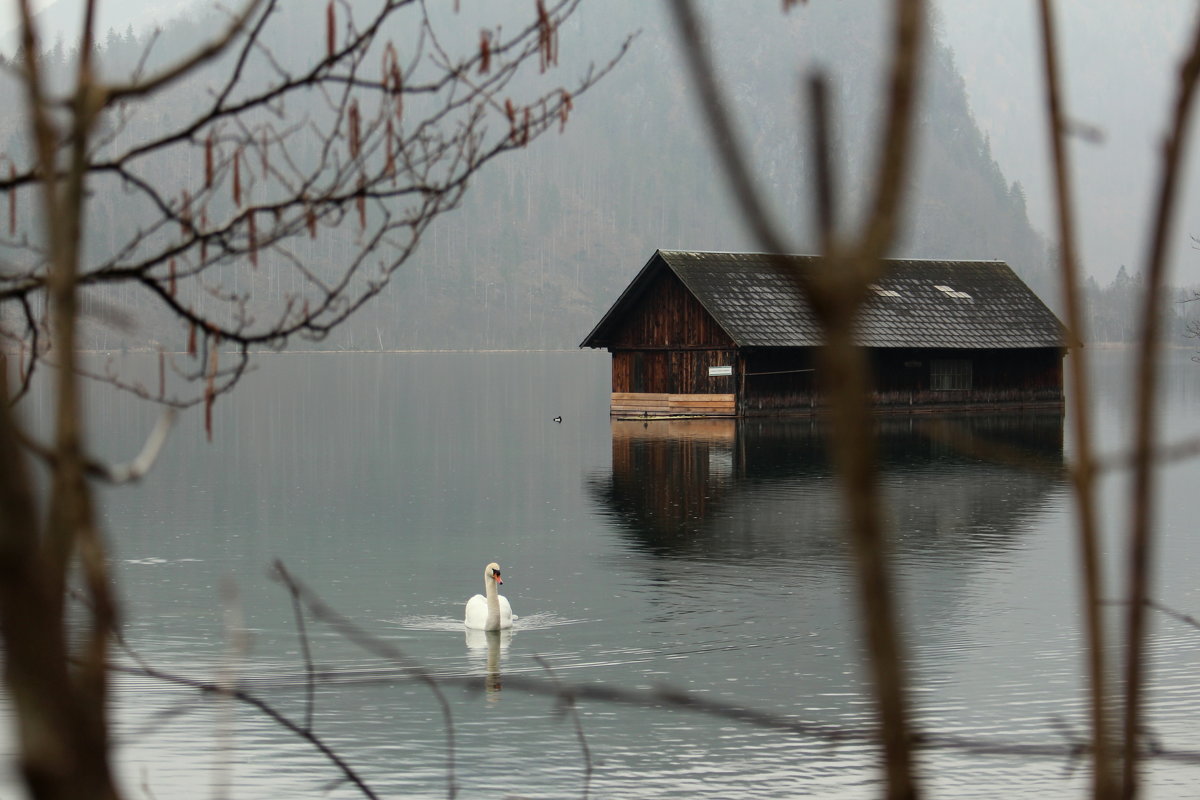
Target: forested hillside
point(546, 239)
point(1112, 311)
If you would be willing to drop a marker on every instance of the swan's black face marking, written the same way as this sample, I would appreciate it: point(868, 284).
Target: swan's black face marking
point(496, 575)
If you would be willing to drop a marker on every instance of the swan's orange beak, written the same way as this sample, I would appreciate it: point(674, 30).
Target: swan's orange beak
point(496, 575)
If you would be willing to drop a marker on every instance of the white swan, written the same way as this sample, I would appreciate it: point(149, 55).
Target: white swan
point(490, 613)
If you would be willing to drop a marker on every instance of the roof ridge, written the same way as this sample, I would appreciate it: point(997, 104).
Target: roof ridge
point(763, 253)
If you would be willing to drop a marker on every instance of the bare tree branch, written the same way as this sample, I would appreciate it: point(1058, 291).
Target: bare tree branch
point(835, 292)
point(353, 633)
point(1103, 773)
point(1141, 539)
point(214, 689)
point(219, 203)
point(115, 474)
point(1071, 750)
point(188, 65)
point(567, 704)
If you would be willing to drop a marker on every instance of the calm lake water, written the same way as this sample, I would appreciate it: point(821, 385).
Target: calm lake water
point(704, 556)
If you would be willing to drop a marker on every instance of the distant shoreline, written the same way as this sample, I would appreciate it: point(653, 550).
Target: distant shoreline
point(1130, 346)
point(293, 351)
point(497, 350)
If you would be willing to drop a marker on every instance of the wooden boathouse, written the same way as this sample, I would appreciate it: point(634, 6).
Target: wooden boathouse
point(731, 334)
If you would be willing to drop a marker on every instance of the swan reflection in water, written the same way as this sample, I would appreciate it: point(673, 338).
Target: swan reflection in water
point(489, 645)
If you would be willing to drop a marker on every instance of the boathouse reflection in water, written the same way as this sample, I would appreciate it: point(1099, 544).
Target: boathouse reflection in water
point(748, 489)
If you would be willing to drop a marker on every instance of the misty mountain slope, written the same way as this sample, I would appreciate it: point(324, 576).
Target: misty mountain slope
point(1120, 63)
point(553, 236)
point(549, 236)
point(60, 21)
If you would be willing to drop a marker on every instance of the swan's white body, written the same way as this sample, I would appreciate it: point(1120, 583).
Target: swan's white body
point(489, 611)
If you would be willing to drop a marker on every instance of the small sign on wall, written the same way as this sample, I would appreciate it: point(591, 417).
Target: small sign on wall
point(716, 372)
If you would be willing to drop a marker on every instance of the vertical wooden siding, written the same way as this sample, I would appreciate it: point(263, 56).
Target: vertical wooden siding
point(668, 316)
point(779, 380)
point(667, 342)
point(673, 371)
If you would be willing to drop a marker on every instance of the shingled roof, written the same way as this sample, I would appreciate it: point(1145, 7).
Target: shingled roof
point(916, 303)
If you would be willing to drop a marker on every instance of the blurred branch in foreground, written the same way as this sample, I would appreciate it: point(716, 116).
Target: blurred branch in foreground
point(270, 182)
point(836, 293)
point(566, 696)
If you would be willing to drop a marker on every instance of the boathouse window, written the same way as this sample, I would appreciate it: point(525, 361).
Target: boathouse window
point(950, 374)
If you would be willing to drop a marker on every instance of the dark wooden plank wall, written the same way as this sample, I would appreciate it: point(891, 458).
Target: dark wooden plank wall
point(689, 370)
point(667, 315)
point(677, 372)
point(672, 371)
point(778, 380)
point(667, 342)
point(641, 371)
point(1034, 373)
point(1031, 377)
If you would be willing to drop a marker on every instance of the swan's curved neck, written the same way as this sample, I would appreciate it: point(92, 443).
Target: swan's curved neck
point(493, 604)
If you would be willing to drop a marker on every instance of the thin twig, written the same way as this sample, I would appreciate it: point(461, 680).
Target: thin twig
point(1083, 476)
point(835, 292)
point(115, 474)
point(1141, 539)
point(568, 696)
point(705, 705)
point(188, 65)
point(306, 651)
point(1179, 616)
point(722, 133)
point(826, 186)
point(354, 633)
point(1170, 612)
point(242, 696)
point(567, 702)
point(1161, 455)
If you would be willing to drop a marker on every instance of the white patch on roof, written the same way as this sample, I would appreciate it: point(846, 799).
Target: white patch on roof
point(946, 290)
point(879, 290)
